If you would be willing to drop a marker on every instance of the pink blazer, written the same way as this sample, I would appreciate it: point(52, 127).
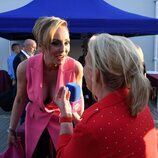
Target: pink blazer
point(37, 119)
point(13, 152)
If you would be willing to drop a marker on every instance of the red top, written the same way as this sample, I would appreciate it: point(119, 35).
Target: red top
point(108, 130)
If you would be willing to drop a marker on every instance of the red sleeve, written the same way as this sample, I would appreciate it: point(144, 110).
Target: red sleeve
point(82, 144)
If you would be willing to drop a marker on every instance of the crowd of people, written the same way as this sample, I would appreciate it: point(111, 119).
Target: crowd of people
point(113, 118)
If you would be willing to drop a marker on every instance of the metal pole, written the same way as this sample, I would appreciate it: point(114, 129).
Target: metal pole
point(156, 39)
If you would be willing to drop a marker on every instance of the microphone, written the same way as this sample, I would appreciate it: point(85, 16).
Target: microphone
point(75, 96)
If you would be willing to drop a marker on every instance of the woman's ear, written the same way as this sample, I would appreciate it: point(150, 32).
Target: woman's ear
point(98, 75)
point(99, 78)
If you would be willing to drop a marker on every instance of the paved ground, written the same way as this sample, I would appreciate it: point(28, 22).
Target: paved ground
point(5, 118)
point(4, 123)
point(154, 110)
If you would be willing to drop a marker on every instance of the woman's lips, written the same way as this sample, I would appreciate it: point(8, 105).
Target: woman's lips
point(60, 57)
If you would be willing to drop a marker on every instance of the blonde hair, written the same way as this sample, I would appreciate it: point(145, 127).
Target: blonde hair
point(121, 67)
point(45, 28)
point(140, 53)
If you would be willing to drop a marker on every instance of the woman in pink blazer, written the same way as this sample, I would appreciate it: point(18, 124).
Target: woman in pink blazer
point(120, 124)
point(39, 78)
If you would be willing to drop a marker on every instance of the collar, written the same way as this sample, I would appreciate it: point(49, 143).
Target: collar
point(111, 99)
point(25, 53)
point(108, 101)
point(115, 97)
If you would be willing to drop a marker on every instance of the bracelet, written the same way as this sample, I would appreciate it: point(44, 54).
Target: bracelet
point(65, 119)
point(11, 131)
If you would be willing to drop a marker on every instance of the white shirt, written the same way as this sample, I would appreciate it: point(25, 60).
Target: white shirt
point(27, 55)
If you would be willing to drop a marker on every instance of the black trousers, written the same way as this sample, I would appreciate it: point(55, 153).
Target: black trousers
point(45, 147)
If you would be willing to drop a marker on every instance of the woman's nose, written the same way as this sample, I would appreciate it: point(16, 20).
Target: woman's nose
point(62, 47)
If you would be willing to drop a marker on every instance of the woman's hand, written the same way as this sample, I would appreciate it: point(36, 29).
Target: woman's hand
point(62, 101)
point(76, 117)
point(12, 138)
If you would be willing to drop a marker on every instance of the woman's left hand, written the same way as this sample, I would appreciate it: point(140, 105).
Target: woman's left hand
point(62, 101)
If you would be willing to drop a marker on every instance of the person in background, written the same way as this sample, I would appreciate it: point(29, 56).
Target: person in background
point(153, 92)
point(120, 123)
point(29, 47)
point(15, 50)
point(7, 96)
point(84, 46)
point(28, 51)
point(88, 97)
point(39, 78)
point(140, 53)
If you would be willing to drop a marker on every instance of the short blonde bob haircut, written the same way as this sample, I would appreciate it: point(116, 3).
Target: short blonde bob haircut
point(44, 30)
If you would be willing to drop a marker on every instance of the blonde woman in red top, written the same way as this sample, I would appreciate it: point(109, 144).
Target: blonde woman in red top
point(120, 124)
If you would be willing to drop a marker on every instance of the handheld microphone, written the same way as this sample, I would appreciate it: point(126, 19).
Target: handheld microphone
point(75, 97)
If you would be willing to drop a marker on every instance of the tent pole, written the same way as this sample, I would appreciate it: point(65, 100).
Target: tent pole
point(156, 39)
point(155, 52)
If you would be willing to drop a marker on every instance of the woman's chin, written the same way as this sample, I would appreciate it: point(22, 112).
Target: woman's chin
point(61, 62)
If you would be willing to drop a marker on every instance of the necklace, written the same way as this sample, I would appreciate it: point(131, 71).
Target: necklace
point(53, 66)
